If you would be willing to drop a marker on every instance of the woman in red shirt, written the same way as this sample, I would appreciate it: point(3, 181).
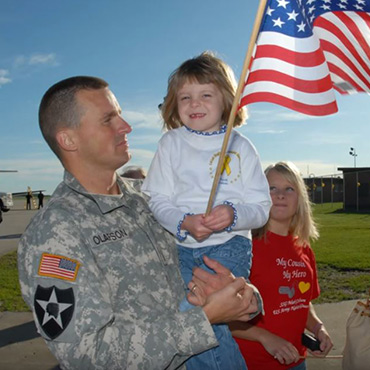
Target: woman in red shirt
point(284, 271)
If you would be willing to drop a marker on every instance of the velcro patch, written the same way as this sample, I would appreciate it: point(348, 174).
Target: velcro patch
point(59, 267)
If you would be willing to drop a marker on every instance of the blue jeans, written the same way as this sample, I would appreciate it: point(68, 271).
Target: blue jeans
point(301, 366)
point(236, 255)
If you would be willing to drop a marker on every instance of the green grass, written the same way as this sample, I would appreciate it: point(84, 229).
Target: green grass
point(10, 296)
point(342, 255)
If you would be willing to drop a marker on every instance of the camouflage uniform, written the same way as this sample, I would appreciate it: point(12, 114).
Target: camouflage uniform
point(102, 279)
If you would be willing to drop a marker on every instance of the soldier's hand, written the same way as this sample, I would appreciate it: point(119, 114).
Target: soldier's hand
point(232, 303)
point(209, 282)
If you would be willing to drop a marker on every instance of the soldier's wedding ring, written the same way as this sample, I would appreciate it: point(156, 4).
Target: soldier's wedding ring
point(193, 288)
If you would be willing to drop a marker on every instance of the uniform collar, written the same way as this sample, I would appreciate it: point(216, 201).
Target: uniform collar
point(106, 203)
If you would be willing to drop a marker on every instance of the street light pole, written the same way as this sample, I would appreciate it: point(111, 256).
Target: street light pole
point(353, 153)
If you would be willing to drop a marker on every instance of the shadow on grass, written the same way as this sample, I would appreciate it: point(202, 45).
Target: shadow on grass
point(351, 211)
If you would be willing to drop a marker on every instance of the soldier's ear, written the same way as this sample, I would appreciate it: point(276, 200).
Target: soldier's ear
point(66, 140)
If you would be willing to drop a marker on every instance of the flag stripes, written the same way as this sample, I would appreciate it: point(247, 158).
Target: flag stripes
point(304, 86)
point(58, 266)
point(346, 49)
point(305, 50)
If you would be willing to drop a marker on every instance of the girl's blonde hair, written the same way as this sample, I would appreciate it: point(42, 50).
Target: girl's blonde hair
point(204, 69)
point(302, 225)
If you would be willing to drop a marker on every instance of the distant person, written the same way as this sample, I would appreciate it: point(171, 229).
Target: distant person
point(41, 199)
point(133, 172)
point(195, 111)
point(102, 277)
point(284, 270)
point(28, 200)
point(1, 210)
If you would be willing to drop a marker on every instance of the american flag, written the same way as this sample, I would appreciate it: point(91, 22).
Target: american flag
point(58, 266)
point(307, 48)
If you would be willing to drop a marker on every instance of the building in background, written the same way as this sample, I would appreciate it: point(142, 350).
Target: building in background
point(356, 187)
point(325, 189)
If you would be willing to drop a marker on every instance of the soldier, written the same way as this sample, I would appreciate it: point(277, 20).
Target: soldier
point(1, 210)
point(28, 200)
point(97, 270)
point(41, 199)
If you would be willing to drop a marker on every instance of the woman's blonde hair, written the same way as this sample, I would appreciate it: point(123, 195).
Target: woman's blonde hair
point(204, 69)
point(302, 225)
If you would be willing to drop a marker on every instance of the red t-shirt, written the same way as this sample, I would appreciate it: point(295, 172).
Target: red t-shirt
point(286, 277)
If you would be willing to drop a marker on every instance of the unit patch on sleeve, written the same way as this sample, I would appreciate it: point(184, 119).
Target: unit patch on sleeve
point(59, 267)
point(54, 309)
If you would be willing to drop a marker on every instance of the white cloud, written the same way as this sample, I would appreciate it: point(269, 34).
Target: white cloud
point(143, 120)
point(277, 115)
point(32, 166)
point(141, 157)
point(36, 59)
point(19, 61)
point(137, 139)
point(49, 59)
point(320, 139)
point(311, 167)
point(36, 173)
point(37, 142)
point(291, 116)
point(271, 132)
point(3, 77)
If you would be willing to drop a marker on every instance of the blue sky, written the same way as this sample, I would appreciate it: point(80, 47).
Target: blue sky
point(135, 45)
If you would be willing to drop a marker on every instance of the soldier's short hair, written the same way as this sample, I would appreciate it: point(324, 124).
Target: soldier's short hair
point(59, 109)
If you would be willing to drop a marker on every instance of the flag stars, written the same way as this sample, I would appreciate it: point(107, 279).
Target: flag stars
point(311, 10)
point(327, 1)
point(359, 7)
point(278, 22)
point(269, 11)
point(309, 2)
point(301, 27)
point(292, 15)
point(325, 7)
point(362, 2)
point(283, 3)
point(342, 6)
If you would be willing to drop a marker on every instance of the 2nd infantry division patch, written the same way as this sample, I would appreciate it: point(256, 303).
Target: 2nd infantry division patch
point(54, 309)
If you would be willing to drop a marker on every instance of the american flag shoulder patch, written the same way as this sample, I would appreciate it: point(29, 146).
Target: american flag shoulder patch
point(60, 267)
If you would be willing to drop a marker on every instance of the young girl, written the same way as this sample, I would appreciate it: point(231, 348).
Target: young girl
point(284, 271)
point(198, 102)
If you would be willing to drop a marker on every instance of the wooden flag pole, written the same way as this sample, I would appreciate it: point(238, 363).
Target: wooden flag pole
point(323, 358)
point(235, 105)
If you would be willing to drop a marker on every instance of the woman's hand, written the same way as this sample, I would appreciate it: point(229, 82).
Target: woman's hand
point(282, 350)
point(325, 343)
